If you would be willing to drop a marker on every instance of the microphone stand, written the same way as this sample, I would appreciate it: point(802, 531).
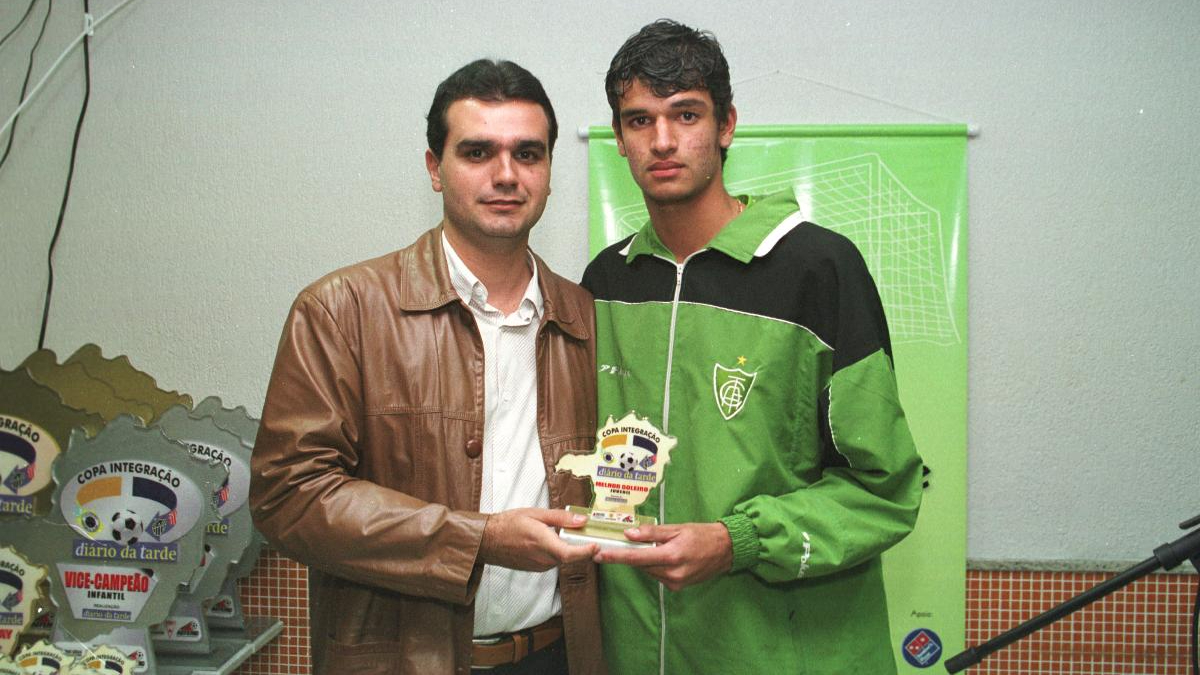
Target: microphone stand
point(1167, 557)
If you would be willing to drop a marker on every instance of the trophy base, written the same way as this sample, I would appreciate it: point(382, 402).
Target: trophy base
point(606, 528)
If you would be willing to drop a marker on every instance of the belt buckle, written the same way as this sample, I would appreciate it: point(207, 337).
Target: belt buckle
point(487, 641)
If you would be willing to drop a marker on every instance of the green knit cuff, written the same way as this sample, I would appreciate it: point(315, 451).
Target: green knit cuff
point(745, 540)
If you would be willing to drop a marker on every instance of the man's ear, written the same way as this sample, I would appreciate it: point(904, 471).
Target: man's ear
point(433, 165)
point(620, 143)
point(725, 133)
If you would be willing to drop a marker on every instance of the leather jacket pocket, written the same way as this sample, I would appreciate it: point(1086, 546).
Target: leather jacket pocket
point(366, 658)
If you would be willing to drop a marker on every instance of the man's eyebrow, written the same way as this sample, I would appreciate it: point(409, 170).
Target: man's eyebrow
point(531, 144)
point(468, 144)
point(627, 113)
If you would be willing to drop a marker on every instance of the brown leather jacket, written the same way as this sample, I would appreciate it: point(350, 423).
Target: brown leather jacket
point(367, 465)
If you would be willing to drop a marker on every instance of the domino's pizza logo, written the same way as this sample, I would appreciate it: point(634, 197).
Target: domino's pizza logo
point(922, 648)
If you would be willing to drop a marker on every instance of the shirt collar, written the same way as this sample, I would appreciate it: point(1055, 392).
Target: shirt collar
point(475, 294)
point(752, 233)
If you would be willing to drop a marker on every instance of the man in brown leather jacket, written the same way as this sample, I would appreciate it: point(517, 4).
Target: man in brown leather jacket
point(417, 407)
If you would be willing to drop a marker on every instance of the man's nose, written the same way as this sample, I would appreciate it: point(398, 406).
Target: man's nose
point(664, 137)
point(505, 171)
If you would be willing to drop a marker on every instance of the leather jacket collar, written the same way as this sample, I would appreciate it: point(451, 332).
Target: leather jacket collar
point(426, 285)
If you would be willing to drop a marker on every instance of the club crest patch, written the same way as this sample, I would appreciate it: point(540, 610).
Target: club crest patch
point(731, 388)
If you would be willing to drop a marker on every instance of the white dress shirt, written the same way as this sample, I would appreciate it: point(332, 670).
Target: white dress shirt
point(514, 475)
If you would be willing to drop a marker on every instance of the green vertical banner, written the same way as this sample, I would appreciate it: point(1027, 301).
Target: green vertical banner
point(900, 194)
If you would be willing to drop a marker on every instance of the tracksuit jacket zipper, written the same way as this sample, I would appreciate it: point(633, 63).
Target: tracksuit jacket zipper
point(666, 421)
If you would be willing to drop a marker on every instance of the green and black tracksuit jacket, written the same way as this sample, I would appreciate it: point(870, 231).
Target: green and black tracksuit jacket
point(766, 354)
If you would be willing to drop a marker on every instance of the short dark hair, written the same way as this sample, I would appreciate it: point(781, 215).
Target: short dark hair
point(669, 57)
point(486, 80)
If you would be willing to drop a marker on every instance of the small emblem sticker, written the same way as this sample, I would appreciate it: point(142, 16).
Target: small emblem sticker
point(922, 648)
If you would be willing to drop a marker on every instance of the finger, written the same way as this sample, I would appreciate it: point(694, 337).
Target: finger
point(674, 585)
point(638, 557)
point(568, 553)
point(557, 518)
point(658, 574)
point(578, 553)
point(654, 533)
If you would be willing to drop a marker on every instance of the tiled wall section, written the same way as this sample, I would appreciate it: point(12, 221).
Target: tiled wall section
point(279, 588)
point(1143, 629)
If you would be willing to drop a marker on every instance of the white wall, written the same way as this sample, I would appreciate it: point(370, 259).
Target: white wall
point(235, 150)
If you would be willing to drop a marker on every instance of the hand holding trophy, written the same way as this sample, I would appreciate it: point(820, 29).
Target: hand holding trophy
point(628, 461)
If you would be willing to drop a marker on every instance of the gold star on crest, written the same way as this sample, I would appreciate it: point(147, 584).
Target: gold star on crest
point(741, 360)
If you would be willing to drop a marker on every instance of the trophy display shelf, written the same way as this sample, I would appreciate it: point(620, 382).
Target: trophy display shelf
point(231, 648)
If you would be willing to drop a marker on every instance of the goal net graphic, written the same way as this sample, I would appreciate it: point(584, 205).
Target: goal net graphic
point(899, 236)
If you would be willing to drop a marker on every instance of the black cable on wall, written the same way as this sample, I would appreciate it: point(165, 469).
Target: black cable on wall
point(62, 210)
point(28, 11)
point(12, 132)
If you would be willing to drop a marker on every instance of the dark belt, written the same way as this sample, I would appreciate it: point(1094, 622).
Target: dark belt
point(499, 650)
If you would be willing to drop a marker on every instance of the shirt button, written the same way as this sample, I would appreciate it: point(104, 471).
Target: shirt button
point(474, 448)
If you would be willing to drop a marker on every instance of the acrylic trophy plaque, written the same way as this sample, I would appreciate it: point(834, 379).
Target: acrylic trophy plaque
point(43, 658)
point(225, 611)
point(103, 660)
point(186, 630)
point(35, 427)
point(20, 588)
point(626, 464)
point(126, 381)
point(79, 389)
point(211, 431)
point(126, 531)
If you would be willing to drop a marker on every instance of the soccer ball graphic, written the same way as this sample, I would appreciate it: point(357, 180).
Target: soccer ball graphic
point(627, 461)
point(126, 527)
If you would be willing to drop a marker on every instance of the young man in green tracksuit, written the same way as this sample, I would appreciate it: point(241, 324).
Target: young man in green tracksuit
point(759, 341)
